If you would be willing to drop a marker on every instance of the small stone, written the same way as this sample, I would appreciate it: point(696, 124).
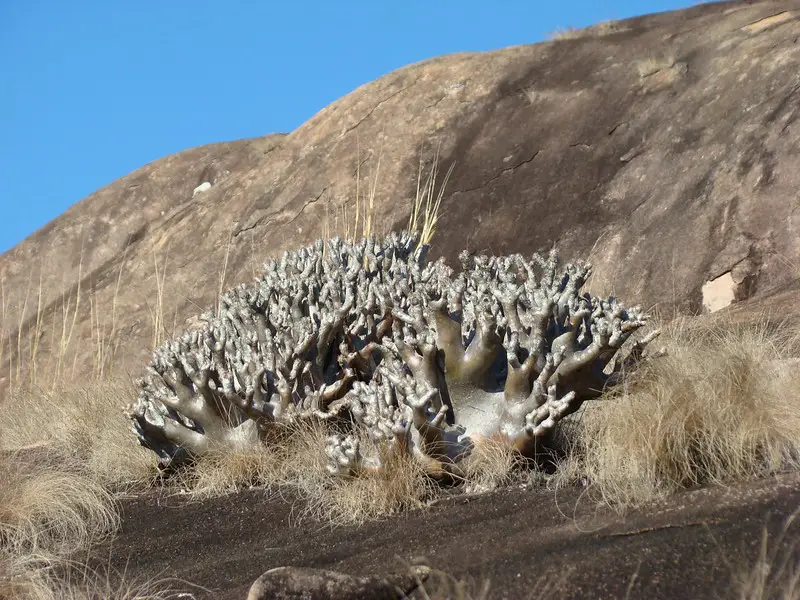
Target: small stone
point(203, 187)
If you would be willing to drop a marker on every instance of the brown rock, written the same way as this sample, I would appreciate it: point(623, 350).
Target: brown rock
point(664, 149)
point(299, 583)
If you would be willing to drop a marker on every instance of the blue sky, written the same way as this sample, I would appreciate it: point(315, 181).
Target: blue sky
point(92, 90)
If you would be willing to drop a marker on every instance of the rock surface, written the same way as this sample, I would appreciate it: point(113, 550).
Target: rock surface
point(527, 543)
point(298, 583)
point(664, 148)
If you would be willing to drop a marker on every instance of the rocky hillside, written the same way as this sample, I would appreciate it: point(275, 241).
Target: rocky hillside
point(664, 147)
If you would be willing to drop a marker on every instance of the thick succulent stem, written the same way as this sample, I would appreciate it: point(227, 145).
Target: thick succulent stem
point(420, 358)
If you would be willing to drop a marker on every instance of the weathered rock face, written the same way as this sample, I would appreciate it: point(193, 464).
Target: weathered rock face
point(665, 149)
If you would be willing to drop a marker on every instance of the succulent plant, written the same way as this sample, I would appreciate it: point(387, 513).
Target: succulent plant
point(371, 334)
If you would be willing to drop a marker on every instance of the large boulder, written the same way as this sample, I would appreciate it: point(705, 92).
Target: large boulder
point(664, 149)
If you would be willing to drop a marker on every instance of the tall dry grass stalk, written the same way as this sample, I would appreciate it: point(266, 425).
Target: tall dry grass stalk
point(67, 331)
point(24, 367)
point(104, 328)
point(157, 311)
point(427, 205)
point(5, 334)
point(365, 221)
point(722, 406)
point(360, 223)
point(37, 330)
point(224, 271)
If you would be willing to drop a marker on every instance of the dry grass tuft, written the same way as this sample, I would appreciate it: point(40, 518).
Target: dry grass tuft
point(224, 473)
point(399, 485)
point(652, 65)
point(294, 459)
point(720, 407)
point(492, 464)
point(443, 586)
point(22, 580)
point(50, 511)
point(302, 460)
point(50, 508)
point(776, 570)
point(81, 421)
point(22, 577)
point(598, 30)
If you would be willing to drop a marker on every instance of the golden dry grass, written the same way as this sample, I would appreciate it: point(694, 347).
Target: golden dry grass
point(220, 474)
point(353, 224)
point(598, 30)
point(650, 66)
point(427, 205)
point(491, 464)
point(22, 580)
point(85, 422)
point(399, 485)
point(722, 406)
point(294, 461)
point(49, 511)
point(50, 508)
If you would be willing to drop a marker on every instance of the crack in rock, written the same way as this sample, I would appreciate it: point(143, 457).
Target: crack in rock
point(374, 108)
point(499, 175)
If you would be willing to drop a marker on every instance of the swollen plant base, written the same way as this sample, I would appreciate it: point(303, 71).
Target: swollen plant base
point(371, 335)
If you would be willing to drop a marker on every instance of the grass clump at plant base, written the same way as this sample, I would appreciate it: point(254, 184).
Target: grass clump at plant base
point(400, 484)
point(722, 406)
point(491, 464)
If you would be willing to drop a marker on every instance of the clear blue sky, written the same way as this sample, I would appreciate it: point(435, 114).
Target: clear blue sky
point(92, 90)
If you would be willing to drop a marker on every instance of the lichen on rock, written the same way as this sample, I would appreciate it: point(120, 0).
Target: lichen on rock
point(426, 359)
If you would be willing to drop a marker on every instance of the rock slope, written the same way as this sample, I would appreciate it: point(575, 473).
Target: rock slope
point(663, 147)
